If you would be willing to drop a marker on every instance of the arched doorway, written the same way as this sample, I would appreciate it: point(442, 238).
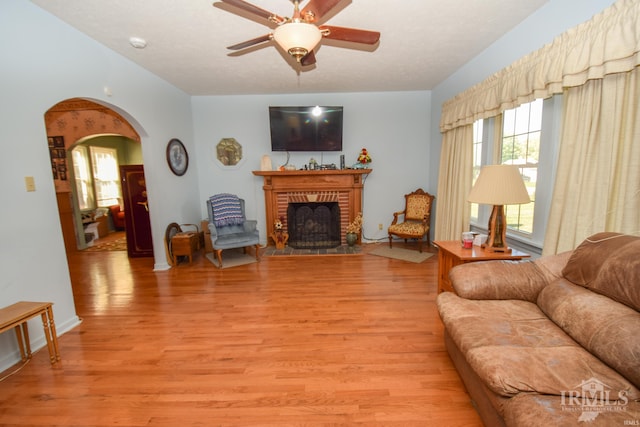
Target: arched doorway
point(85, 125)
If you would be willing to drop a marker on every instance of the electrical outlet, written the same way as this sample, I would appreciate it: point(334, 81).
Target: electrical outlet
point(379, 226)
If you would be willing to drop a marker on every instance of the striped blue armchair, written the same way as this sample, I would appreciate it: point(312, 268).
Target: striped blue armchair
point(229, 227)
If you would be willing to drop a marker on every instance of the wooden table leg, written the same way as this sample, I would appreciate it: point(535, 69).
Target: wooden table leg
point(54, 334)
point(27, 341)
point(18, 330)
point(47, 335)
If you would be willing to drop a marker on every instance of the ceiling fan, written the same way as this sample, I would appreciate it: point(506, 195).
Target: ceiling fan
point(299, 35)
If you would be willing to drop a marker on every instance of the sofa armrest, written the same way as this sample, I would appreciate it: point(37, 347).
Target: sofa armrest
point(521, 280)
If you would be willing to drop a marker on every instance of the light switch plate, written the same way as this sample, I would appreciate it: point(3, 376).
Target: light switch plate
point(30, 183)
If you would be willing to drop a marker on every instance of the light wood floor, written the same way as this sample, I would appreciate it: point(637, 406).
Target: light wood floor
point(315, 340)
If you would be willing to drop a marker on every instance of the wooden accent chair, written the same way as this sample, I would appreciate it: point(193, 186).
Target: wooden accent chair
point(417, 218)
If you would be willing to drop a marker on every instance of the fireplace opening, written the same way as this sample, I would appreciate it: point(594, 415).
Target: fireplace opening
point(313, 225)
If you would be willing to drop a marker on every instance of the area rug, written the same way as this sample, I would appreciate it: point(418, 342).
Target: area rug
point(402, 254)
point(232, 258)
point(111, 245)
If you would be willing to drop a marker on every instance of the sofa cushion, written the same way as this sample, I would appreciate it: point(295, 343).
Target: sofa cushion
point(544, 410)
point(513, 347)
point(619, 276)
point(509, 370)
point(479, 323)
point(606, 328)
point(587, 259)
point(230, 230)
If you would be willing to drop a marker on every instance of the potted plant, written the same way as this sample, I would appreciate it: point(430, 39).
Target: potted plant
point(353, 230)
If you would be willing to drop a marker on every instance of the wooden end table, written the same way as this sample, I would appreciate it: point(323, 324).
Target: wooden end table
point(185, 244)
point(451, 253)
point(16, 316)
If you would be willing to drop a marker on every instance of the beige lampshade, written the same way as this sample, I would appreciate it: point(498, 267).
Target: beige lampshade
point(499, 185)
point(297, 38)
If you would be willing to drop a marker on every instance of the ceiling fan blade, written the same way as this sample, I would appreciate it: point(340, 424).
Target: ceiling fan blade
point(308, 59)
point(251, 42)
point(350, 34)
point(248, 7)
point(316, 9)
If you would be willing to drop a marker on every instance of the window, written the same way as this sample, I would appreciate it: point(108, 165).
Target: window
point(82, 174)
point(106, 177)
point(97, 177)
point(528, 137)
point(521, 129)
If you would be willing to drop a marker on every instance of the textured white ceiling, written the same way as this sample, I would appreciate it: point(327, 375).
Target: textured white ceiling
point(422, 42)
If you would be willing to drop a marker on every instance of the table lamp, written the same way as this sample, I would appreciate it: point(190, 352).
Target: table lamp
point(498, 185)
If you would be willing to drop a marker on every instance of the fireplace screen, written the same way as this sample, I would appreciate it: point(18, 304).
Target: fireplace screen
point(313, 225)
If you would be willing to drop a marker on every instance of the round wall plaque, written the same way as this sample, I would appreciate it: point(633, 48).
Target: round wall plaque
point(177, 157)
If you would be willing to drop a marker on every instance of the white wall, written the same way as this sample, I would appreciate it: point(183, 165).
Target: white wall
point(393, 126)
point(44, 62)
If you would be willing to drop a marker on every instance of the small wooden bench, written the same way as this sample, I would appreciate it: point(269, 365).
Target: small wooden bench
point(16, 316)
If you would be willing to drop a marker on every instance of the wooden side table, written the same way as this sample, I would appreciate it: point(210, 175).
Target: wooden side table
point(451, 253)
point(16, 316)
point(185, 244)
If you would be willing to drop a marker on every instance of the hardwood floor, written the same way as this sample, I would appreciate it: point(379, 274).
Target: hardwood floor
point(306, 340)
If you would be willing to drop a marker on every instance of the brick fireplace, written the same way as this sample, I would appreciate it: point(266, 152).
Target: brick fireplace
point(283, 188)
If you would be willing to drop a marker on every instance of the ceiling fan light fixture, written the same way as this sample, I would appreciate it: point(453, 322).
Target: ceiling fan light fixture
point(297, 38)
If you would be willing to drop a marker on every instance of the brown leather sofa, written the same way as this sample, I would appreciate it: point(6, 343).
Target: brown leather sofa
point(555, 341)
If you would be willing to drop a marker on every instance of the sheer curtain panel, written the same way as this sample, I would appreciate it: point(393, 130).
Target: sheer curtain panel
point(454, 183)
point(597, 185)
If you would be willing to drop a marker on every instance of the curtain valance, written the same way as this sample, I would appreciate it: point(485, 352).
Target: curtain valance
point(608, 43)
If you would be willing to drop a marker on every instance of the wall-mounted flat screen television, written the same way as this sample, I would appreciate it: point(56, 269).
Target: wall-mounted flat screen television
point(306, 128)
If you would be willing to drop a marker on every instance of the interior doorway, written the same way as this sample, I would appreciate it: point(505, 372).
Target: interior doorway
point(86, 215)
point(99, 189)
